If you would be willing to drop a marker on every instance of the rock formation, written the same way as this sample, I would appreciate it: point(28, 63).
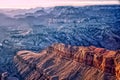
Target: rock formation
point(65, 62)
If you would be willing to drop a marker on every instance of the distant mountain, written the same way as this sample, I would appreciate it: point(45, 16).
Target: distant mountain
point(14, 12)
point(8, 24)
point(90, 25)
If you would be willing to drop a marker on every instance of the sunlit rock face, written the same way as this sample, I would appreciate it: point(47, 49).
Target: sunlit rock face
point(65, 62)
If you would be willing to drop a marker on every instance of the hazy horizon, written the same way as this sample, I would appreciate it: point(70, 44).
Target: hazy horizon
point(26, 4)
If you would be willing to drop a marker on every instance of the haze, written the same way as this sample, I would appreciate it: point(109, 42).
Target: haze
point(48, 3)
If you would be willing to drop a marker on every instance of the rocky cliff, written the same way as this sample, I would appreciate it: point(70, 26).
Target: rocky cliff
point(65, 62)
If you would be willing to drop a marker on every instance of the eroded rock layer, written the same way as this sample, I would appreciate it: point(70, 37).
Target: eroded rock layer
point(65, 62)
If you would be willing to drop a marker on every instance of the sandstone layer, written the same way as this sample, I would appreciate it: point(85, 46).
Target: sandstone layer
point(65, 62)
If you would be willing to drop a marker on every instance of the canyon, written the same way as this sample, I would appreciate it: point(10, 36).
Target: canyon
point(66, 62)
point(34, 30)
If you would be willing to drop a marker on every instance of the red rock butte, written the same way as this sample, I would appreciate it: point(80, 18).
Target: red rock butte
point(65, 62)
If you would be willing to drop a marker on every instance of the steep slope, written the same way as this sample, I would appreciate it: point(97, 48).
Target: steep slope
point(65, 62)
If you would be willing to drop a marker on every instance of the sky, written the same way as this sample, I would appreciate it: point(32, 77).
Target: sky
point(26, 4)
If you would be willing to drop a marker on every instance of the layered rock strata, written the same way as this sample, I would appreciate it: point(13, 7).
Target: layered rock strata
point(65, 62)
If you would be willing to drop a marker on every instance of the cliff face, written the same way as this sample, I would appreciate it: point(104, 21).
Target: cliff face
point(65, 62)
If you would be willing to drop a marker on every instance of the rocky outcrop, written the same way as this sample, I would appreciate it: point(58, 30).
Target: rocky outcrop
point(65, 62)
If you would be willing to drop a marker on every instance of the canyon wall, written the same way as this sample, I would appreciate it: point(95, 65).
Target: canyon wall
point(65, 62)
